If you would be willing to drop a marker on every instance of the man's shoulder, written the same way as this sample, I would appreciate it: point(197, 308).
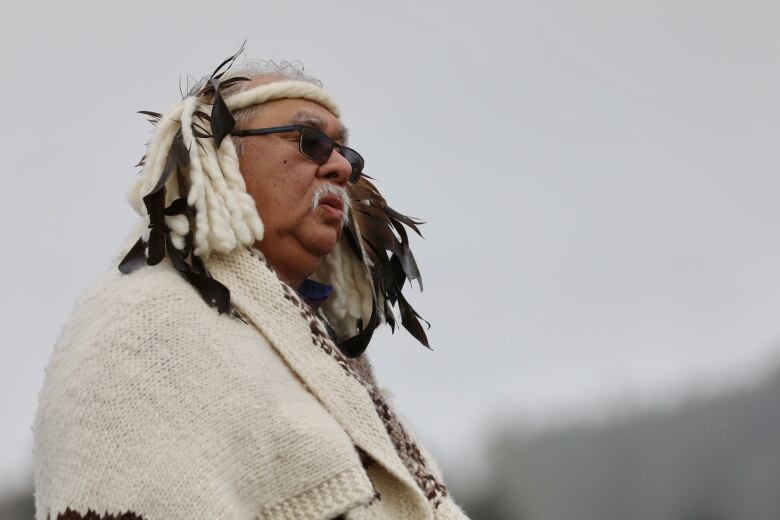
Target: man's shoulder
point(150, 379)
point(147, 285)
point(152, 296)
point(155, 314)
point(151, 330)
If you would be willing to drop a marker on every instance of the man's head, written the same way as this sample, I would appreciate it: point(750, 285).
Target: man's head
point(303, 204)
point(257, 158)
point(194, 139)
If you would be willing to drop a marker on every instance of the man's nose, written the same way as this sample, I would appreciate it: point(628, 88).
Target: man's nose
point(337, 169)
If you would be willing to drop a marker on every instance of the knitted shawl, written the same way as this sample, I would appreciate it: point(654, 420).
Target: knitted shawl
point(157, 407)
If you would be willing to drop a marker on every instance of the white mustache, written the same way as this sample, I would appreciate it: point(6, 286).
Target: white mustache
point(328, 188)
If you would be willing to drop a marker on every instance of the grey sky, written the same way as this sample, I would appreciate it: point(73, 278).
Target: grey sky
point(600, 182)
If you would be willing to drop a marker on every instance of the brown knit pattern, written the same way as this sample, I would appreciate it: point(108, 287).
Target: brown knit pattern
point(70, 514)
point(408, 451)
point(367, 462)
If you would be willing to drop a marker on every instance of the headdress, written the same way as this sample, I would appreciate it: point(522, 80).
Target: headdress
point(195, 199)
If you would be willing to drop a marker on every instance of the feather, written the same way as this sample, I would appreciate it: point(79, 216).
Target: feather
point(156, 116)
point(380, 232)
point(155, 202)
point(230, 81)
point(134, 259)
point(212, 291)
point(375, 230)
point(201, 114)
point(222, 121)
point(409, 221)
point(356, 345)
point(405, 255)
point(410, 321)
point(225, 65)
point(350, 233)
point(177, 207)
point(390, 318)
point(199, 131)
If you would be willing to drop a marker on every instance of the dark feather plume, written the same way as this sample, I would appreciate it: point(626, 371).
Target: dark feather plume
point(222, 121)
point(377, 235)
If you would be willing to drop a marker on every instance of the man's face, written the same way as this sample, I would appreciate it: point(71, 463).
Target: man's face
point(282, 182)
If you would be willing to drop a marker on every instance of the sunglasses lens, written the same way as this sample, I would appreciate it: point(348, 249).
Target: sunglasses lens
point(356, 161)
point(316, 145)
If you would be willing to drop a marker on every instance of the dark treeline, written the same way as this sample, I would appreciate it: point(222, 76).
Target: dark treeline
point(715, 458)
point(17, 505)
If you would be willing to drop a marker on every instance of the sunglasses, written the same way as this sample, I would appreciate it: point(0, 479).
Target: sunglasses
point(313, 144)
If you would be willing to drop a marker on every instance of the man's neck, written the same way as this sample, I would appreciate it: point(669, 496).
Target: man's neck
point(294, 272)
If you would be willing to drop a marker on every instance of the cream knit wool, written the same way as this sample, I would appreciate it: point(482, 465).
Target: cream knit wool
point(154, 404)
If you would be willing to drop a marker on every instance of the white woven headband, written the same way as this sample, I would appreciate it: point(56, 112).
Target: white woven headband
point(282, 90)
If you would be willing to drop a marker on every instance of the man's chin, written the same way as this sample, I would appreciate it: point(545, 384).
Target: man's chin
point(324, 240)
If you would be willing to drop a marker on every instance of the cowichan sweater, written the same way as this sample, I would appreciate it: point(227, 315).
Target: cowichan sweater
point(156, 407)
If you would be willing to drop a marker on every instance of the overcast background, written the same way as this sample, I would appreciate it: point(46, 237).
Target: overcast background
point(600, 182)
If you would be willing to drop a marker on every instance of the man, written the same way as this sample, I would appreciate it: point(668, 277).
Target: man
point(219, 372)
